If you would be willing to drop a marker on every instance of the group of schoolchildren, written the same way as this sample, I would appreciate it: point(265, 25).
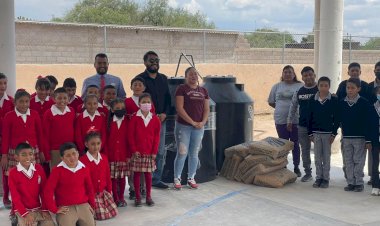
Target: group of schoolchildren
point(355, 108)
point(70, 157)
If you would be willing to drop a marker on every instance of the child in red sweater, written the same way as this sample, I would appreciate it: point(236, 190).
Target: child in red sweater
point(42, 102)
point(53, 83)
point(93, 90)
point(117, 150)
point(6, 105)
point(97, 163)
point(58, 126)
point(90, 118)
point(26, 182)
point(20, 125)
point(108, 96)
point(144, 137)
point(71, 87)
point(69, 192)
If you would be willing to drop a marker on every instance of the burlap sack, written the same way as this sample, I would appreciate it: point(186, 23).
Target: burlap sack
point(249, 162)
point(270, 146)
point(236, 160)
point(263, 169)
point(276, 179)
point(240, 149)
point(276, 162)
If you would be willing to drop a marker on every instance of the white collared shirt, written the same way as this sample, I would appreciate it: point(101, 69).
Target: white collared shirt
point(79, 166)
point(135, 99)
point(106, 105)
point(28, 172)
point(55, 110)
point(92, 159)
point(23, 116)
point(118, 121)
point(86, 114)
point(37, 99)
point(5, 97)
point(72, 99)
point(147, 119)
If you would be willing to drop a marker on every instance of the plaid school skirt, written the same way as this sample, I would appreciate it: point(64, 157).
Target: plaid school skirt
point(105, 207)
point(119, 169)
point(144, 163)
point(12, 162)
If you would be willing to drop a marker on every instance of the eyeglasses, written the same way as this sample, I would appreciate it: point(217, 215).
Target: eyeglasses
point(156, 60)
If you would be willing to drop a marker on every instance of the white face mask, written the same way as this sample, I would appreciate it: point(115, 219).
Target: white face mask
point(146, 107)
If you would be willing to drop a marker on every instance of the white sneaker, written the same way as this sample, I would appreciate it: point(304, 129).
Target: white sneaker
point(375, 192)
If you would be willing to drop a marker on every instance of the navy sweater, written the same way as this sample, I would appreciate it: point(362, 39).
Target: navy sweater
point(323, 117)
point(301, 99)
point(354, 120)
point(342, 93)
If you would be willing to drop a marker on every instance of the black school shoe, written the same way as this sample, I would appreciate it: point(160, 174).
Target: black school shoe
point(138, 203)
point(297, 171)
point(349, 187)
point(149, 202)
point(317, 183)
point(359, 188)
point(160, 185)
point(324, 184)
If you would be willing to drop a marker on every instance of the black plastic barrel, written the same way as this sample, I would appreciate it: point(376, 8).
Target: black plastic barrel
point(234, 123)
point(207, 167)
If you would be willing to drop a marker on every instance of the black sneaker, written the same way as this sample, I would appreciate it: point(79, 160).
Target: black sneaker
point(324, 184)
point(359, 188)
point(132, 195)
point(307, 177)
point(349, 187)
point(317, 183)
point(138, 203)
point(160, 185)
point(297, 171)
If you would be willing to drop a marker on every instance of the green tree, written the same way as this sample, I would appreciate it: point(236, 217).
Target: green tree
point(269, 38)
point(128, 12)
point(372, 44)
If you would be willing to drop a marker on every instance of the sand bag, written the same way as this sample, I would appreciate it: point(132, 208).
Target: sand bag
point(225, 167)
point(276, 179)
point(270, 146)
point(263, 169)
point(240, 149)
point(249, 162)
point(276, 162)
point(236, 160)
point(249, 176)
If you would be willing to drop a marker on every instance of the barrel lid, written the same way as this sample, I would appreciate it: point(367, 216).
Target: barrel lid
point(220, 79)
point(176, 80)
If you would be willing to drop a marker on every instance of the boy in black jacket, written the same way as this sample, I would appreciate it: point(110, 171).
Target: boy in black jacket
point(354, 119)
point(322, 129)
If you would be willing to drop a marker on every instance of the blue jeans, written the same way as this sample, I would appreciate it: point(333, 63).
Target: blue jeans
point(161, 156)
point(188, 139)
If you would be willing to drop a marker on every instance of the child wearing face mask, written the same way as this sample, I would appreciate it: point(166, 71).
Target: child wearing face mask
point(117, 149)
point(143, 139)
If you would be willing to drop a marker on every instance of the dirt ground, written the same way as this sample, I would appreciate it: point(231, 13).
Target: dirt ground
point(257, 78)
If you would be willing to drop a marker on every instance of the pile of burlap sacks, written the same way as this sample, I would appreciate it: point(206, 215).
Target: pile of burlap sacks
point(262, 163)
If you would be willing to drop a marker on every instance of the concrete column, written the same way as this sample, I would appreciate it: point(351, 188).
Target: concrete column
point(8, 43)
point(331, 41)
point(317, 18)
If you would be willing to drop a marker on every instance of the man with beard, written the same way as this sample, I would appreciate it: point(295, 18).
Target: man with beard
point(157, 86)
point(102, 79)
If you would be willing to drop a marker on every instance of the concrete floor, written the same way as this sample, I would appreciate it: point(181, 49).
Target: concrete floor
point(223, 202)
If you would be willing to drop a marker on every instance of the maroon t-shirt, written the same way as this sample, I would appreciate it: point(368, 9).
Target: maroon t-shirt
point(194, 100)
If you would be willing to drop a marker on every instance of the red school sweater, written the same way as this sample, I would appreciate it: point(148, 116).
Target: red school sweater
point(117, 144)
point(76, 102)
point(16, 131)
point(58, 129)
point(65, 188)
point(144, 139)
point(82, 125)
point(100, 174)
point(25, 191)
point(132, 108)
point(39, 107)
point(101, 108)
point(7, 107)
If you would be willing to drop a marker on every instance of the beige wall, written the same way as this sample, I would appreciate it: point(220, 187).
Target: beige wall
point(258, 78)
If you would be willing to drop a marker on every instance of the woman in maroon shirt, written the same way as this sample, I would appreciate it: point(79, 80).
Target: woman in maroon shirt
point(192, 105)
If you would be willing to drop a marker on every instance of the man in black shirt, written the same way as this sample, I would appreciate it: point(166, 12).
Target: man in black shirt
point(157, 86)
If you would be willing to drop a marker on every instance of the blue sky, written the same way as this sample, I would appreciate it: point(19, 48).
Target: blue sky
point(361, 17)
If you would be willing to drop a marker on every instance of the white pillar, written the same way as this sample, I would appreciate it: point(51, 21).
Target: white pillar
point(331, 41)
point(8, 43)
point(317, 22)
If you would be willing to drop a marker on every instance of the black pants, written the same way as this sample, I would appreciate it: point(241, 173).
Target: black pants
point(375, 167)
